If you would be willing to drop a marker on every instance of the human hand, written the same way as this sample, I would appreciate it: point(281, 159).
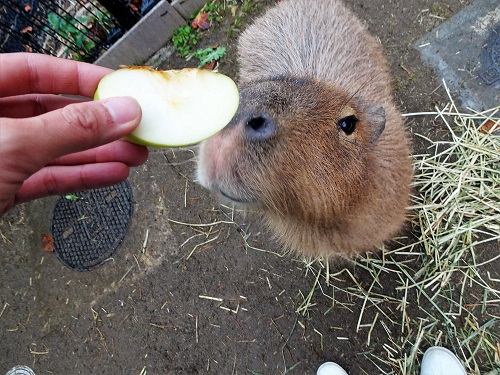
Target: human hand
point(52, 144)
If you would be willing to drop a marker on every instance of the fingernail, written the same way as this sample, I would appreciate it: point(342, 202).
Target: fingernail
point(123, 109)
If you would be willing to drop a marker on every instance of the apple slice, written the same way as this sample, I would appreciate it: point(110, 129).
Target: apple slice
point(179, 107)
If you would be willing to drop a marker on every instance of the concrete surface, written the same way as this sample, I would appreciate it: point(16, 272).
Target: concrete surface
point(465, 51)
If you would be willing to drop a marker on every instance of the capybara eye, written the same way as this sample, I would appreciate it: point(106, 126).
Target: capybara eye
point(348, 124)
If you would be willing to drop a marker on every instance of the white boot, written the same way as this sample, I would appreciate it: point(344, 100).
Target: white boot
point(330, 368)
point(440, 361)
point(20, 370)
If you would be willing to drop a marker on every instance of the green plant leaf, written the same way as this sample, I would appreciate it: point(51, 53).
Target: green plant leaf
point(183, 39)
point(209, 54)
point(53, 20)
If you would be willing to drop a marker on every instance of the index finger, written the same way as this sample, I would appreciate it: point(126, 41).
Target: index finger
point(25, 73)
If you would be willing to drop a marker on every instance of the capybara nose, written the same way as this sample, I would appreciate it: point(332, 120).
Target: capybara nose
point(259, 127)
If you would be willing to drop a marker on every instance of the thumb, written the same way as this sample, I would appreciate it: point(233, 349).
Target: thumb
point(78, 127)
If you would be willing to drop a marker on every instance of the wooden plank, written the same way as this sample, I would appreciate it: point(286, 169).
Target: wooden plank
point(186, 8)
point(149, 35)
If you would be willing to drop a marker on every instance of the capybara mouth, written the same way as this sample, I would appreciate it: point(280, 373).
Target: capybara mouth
point(234, 199)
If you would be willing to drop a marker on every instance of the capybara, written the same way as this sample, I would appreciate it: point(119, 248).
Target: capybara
point(317, 144)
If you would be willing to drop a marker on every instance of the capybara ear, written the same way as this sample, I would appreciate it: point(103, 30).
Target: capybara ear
point(374, 118)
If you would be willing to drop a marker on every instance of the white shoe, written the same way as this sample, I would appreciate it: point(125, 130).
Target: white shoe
point(20, 370)
point(330, 368)
point(440, 361)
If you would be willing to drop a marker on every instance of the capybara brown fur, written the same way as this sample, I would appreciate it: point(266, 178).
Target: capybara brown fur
point(317, 145)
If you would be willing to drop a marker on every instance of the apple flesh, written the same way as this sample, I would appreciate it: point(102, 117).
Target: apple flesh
point(179, 107)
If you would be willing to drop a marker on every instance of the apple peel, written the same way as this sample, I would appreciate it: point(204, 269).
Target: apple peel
point(179, 107)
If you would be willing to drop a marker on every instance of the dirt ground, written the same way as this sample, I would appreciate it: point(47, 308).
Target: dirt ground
point(227, 308)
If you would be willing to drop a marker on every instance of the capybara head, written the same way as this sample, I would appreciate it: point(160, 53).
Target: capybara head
point(297, 150)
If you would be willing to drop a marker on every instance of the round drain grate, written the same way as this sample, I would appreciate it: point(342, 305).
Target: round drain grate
point(89, 226)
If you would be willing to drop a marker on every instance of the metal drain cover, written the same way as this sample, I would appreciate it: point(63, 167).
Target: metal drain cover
point(465, 51)
point(90, 225)
point(490, 71)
